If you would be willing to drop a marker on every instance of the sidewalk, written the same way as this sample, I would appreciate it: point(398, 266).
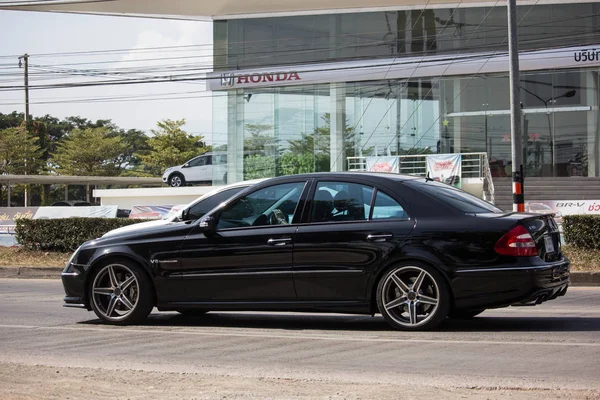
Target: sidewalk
point(577, 278)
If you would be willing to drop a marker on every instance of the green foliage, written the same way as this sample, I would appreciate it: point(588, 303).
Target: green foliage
point(257, 142)
point(171, 146)
point(89, 152)
point(311, 153)
point(257, 166)
point(65, 234)
point(303, 163)
point(582, 231)
point(19, 152)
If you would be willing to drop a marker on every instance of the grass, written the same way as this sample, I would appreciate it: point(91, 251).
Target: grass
point(581, 259)
point(18, 257)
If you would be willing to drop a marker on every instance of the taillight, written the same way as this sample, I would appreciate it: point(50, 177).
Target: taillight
point(517, 242)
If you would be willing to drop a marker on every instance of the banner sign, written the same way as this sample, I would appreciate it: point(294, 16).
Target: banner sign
point(564, 207)
point(405, 68)
point(445, 168)
point(68, 212)
point(150, 212)
point(383, 164)
point(8, 215)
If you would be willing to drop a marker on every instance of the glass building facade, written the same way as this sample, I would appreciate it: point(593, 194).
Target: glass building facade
point(273, 129)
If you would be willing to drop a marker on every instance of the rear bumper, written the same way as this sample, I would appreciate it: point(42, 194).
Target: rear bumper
point(510, 285)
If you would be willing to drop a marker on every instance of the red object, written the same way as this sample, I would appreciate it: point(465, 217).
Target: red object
point(518, 242)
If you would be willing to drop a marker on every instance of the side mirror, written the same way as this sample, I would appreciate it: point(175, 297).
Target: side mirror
point(208, 224)
point(186, 165)
point(183, 214)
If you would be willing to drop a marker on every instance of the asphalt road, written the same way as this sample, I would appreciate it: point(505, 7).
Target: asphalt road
point(552, 346)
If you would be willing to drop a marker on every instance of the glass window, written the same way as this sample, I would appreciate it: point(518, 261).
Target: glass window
point(200, 161)
point(387, 208)
point(273, 205)
point(199, 209)
point(341, 201)
point(457, 199)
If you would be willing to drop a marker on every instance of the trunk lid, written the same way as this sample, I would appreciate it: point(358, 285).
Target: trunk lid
point(542, 228)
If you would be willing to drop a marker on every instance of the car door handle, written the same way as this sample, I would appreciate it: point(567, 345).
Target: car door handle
point(380, 237)
point(279, 242)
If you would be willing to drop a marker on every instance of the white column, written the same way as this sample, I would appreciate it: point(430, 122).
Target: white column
point(235, 136)
point(593, 122)
point(337, 97)
point(456, 95)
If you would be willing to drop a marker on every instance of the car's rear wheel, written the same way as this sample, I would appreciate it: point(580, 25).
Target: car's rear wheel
point(176, 180)
point(413, 297)
point(465, 314)
point(121, 293)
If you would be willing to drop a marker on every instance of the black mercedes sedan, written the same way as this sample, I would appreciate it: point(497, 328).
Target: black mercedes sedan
point(415, 250)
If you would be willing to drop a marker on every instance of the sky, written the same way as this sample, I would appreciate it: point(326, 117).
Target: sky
point(38, 33)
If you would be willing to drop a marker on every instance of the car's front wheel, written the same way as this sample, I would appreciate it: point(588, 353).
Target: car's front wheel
point(413, 297)
point(176, 180)
point(121, 293)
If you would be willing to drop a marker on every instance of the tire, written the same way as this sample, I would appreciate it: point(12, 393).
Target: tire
point(176, 180)
point(192, 312)
point(465, 314)
point(121, 293)
point(413, 297)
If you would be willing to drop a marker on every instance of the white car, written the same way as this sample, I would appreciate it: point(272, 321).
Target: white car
point(207, 167)
point(195, 210)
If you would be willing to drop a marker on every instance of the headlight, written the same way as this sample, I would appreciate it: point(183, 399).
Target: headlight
point(73, 256)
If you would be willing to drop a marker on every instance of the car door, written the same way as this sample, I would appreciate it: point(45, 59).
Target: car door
point(350, 229)
point(248, 257)
point(198, 169)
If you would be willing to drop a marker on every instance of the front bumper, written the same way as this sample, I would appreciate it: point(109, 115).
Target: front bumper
point(510, 285)
point(73, 280)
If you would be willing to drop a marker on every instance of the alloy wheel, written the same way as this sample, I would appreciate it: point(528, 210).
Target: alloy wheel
point(176, 181)
point(115, 292)
point(410, 296)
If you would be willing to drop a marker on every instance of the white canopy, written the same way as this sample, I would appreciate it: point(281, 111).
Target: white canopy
point(231, 9)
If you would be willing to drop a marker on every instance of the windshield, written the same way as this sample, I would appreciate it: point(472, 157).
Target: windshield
point(455, 198)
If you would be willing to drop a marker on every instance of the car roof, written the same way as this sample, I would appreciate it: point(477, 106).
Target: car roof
point(353, 174)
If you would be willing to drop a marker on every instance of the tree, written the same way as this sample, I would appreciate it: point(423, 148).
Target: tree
point(89, 152)
point(171, 146)
point(19, 152)
point(315, 149)
point(257, 142)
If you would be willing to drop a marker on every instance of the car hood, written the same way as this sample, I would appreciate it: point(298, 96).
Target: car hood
point(140, 227)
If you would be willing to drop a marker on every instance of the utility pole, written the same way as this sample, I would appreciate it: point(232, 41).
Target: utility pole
point(25, 58)
point(516, 135)
point(25, 64)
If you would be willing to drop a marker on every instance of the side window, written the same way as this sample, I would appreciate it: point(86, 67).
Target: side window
point(199, 209)
point(341, 201)
point(387, 208)
point(273, 205)
point(198, 161)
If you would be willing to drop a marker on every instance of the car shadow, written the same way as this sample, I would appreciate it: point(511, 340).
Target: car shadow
point(365, 323)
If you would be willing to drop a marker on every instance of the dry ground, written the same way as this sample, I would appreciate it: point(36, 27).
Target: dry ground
point(581, 259)
point(25, 382)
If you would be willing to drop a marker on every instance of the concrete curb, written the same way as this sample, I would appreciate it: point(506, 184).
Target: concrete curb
point(577, 278)
point(30, 272)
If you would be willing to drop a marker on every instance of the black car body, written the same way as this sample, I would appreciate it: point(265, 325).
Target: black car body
point(415, 250)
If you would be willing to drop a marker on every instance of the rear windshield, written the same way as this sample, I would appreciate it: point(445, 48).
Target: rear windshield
point(455, 198)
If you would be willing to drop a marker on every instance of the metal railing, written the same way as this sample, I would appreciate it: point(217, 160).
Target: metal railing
point(474, 165)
